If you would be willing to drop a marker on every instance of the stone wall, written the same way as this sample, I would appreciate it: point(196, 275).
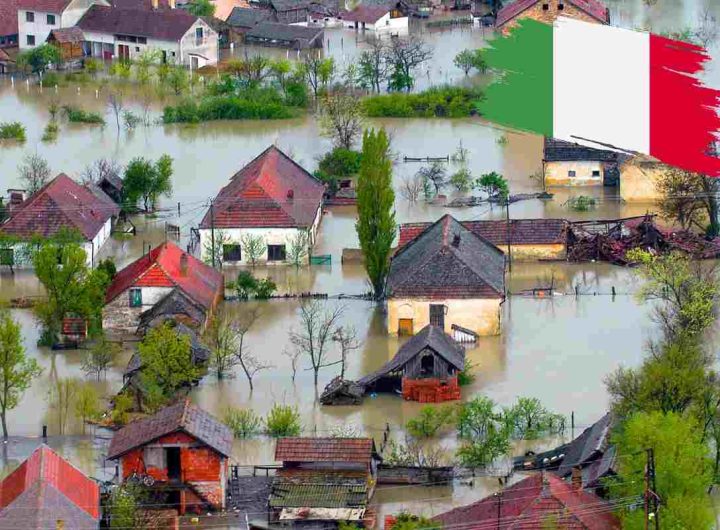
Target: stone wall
point(119, 317)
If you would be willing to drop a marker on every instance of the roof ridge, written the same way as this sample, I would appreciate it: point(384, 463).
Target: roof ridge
point(162, 249)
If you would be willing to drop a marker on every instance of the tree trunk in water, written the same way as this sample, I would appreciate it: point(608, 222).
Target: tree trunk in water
point(5, 430)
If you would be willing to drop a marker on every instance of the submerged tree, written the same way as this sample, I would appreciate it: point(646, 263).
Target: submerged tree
point(16, 370)
point(249, 362)
point(100, 357)
point(220, 338)
point(317, 324)
point(341, 119)
point(254, 248)
point(298, 245)
point(375, 202)
point(436, 174)
point(34, 172)
point(405, 55)
point(346, 338)
point(147, 181)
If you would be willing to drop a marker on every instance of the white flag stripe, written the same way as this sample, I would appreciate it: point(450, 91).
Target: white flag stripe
point(601, 85)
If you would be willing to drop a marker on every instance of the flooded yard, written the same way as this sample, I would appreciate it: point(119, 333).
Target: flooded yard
point(558, 349)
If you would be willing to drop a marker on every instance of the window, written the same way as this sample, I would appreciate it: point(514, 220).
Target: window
point(276, 252)
point(199, 33)
point(137, 48)
point(29, 16)
point(30, 40)
point(231, 253)
point(596, 173)
point(571, 173)
point(561, 7)
point(546, 7)
point(427, 365)
point(135, 297)
point(51, 20)
point(437, 315)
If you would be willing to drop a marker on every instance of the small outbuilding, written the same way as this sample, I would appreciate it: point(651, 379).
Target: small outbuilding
point(448, 277)
point(425, 368)
point(285, 36)
point(69, 41)
point(572, 164)
point(182, 452)
point(375, 18)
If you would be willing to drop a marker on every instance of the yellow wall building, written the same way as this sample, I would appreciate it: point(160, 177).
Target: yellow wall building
point(446, 276)
point(638, 179)
point(571, 164)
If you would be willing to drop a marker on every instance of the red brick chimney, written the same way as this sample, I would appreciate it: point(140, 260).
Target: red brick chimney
point(576, 478)
point(183, 264)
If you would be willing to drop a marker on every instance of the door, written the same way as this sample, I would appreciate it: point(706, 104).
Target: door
point(124, 52)
point(405, 326)
point(164, 57)
point(172, 457)
point(437, 315)
point(194, 63)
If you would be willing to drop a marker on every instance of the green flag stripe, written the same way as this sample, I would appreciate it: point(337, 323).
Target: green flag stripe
point(522, 97)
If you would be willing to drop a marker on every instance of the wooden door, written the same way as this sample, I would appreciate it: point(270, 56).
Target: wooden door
point(124, 52)
point(405, 326)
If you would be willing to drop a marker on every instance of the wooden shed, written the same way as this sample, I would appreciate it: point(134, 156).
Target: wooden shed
point(425, 368)
point(69, 40)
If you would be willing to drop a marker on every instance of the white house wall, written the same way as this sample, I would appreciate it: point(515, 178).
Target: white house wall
point(206, 50)
point(39, 28)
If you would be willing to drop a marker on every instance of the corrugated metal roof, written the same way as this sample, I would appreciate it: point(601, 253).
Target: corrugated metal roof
point(319, 490)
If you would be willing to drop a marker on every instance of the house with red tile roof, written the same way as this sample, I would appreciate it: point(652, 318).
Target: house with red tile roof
point(183, 454)
point(60, 204)
point(376, 18)
point(449, 277)
point(273, 198)
point(46, 489)
point(37, 18)
point(539, 501)
point(166, 283)
point(548, 11)
point(528, 239)
point(125, 33)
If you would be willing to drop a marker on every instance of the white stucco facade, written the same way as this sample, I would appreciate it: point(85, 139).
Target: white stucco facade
point(574, 173)
point(386, 23)
point(271, 236)
point(191, 50)
point(43, 22)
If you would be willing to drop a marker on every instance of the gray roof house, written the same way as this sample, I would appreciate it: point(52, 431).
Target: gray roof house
point(286, 36)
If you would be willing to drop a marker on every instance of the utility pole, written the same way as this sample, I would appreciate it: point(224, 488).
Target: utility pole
point(507, 230)
point(650, 494)
point(212, 231)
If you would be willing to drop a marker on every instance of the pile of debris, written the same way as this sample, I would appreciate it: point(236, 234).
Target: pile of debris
point(610, 240)
point(342, 392)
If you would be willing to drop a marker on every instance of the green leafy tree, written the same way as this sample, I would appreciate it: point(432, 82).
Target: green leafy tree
point(462, 179)
point(125, 508)
point(201, 8)
point(434, 174)
point(466, 60)
point(178, 80)
point(494, 185)
point(39, 58)
point(340, 162)
point(167, 365)
point(682, 468)
point(376, 216)
point(483, 433)
point(528, 419)
point(341, 119)
point(73, 288)
point(147, 181)
point(245, 285)
point(283, 421)
point(244, 423)
point(280, 71)
point(685, 291)
point(16, 370)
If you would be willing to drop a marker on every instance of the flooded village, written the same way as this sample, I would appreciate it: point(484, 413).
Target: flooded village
point(203, 324)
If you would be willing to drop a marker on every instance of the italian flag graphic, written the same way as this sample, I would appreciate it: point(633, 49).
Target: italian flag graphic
point(606, 87)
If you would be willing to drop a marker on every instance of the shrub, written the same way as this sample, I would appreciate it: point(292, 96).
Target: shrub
point(441, 102)
point(258, 105)
point(466, 376)
point(340, 162)
point(245, 285)
point(121, 409)
point(265, 288)
point(51, 131)
point(429, 421)
point(582, 203)
point(283, 420)
point(462, 179)
point(244, 423)
point(76, 115)
point(407, 521)
point(51, 79)
point(92, 66)
point(12, 131)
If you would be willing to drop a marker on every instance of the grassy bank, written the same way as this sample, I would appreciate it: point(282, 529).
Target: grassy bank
point(441, 102)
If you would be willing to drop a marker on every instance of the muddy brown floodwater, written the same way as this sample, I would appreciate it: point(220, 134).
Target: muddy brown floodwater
point(556, 349)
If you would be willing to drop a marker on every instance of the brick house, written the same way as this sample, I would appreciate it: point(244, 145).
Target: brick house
point(184, 449)
point(166, 283)
point(323, 479)
point(272, 197)
point(535, 502)
point(424, 369)
point(449, 277)
point(45, 490)
point(62, 203)
point(528, 239)
point(548, 11)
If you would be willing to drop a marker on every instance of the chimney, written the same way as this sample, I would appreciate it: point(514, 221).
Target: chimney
point(576, 478)
point(290, 194)
point(183, 264)
point(456, 241)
